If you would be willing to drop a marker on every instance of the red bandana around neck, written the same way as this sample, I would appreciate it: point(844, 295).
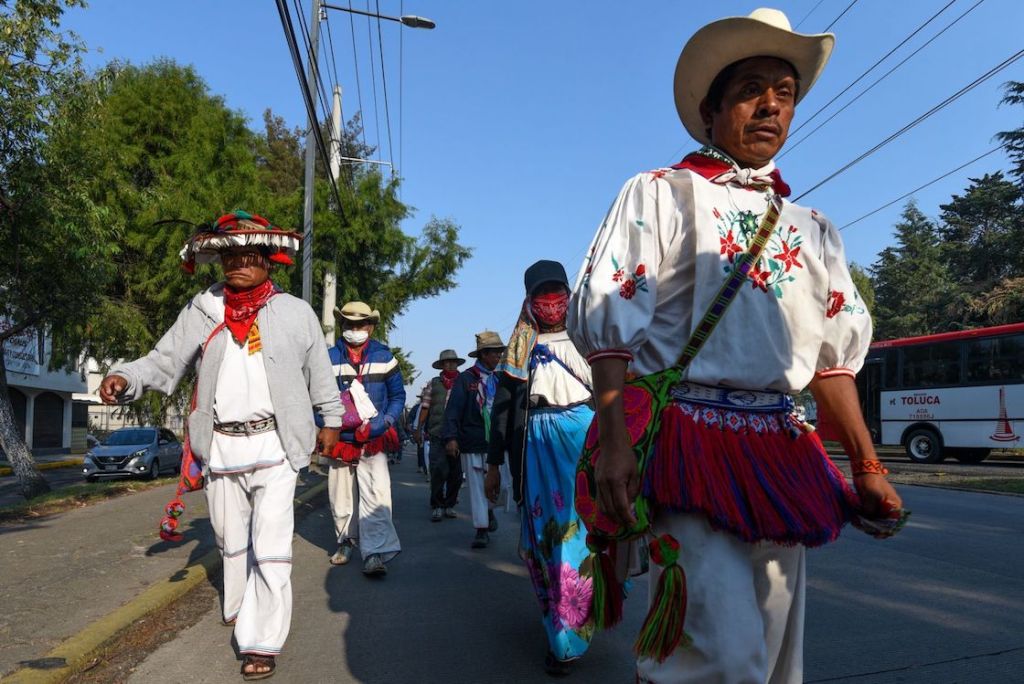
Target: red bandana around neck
point(242, 306)
point(448, 378)
point(711, 167)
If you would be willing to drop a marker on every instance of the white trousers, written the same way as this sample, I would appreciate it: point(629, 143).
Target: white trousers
point(361, 505)
point(253, 519)
point(745, 609)
point(475, 467)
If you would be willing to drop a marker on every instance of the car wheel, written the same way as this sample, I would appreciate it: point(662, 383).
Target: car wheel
point(924, 446)
point(154, 469)
point(971, 455)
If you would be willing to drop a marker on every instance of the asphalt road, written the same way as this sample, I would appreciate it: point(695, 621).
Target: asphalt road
point(941, 603)
point(57, 478)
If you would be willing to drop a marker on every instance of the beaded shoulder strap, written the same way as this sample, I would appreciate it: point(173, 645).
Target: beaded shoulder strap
point(731, 287)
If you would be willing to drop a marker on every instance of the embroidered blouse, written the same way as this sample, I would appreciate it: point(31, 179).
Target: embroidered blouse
point(665, 248)
point(550, 383)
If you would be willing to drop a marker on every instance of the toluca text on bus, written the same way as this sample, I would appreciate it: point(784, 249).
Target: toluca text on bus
point(957, 394)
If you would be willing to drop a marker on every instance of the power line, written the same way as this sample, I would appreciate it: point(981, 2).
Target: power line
point(307, 96)
point(834, 21)
point(373, 79)
point(949, 100)
point(311, 57)
point(872, 67)
point(359, 88)
point(334, 59)
point(922, 187)
point(808, 14)
point(384, 79)
point(881, 78)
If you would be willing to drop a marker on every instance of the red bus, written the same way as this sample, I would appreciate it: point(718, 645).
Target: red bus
point(957, 394)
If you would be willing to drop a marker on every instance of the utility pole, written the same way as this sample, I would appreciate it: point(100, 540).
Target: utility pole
point(330, 277)
point(307, 206)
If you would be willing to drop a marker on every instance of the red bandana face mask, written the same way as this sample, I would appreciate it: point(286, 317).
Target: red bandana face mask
point(549, 309)
point(448, 378)
point(240, 308)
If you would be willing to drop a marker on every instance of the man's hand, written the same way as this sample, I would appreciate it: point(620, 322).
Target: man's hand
point(451, 449)
point(112, 387)
point(878, 498)
point(617, 480)
point(492, 483)
point(326, 439)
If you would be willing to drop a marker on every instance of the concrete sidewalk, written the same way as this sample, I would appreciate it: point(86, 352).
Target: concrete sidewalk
point(61, 573)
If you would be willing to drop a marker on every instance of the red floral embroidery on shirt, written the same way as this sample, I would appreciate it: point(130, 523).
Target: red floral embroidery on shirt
point(628, 289)
point(759, 278)
point(658, 173)
point(789, 256)
point(618, 275)
point(836, 299)
point(631, 284)
point(730, 248)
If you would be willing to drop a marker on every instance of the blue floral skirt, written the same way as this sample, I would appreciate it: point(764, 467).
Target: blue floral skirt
point(553, 538)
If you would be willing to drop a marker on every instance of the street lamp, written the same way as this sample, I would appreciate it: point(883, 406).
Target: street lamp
point(410, 20)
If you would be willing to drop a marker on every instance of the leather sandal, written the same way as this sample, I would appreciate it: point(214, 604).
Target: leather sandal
point(256, 663)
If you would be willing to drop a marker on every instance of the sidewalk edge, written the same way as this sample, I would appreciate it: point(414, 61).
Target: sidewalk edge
point(78, 650)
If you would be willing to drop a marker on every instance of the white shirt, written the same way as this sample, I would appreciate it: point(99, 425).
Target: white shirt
point(243, 395)
point(554, 384)
point(663, 251)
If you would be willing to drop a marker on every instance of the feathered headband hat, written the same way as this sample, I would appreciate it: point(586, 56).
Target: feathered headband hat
point(239, 229)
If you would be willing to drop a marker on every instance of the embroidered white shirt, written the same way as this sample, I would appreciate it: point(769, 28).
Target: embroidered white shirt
point(552, 383)
point(661, 255)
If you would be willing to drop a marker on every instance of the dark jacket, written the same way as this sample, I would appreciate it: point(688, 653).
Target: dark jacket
point(508, 429)
point(382, 380)
point(462, 418)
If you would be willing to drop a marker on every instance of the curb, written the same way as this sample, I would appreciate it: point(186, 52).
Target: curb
point(77, 651)
point(52, 465)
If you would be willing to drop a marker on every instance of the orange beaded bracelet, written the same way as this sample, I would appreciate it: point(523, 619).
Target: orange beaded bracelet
point(870, 467)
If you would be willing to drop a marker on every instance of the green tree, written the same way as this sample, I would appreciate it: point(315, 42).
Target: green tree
point(58, 243)
point(1013, 94)
point(911, 282)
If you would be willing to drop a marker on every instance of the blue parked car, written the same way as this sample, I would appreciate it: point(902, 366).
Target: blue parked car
point(140, 451)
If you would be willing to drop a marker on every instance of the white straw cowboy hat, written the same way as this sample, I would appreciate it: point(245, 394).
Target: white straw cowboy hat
point(447, 355)
point(765, 33)
point(357, 311)
point(486, 340)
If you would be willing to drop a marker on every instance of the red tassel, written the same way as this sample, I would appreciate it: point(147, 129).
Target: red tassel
point(169, 523)
point(282, 258)
point(189, 266)
point(607, 594)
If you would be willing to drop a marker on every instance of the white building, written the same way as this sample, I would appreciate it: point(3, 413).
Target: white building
point(47, 418)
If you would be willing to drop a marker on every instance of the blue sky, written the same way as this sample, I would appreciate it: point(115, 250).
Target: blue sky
point(521, 120)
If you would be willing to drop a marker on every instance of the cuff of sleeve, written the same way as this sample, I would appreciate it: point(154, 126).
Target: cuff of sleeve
point(623, 354)
point(332, 421)
point(834, 372)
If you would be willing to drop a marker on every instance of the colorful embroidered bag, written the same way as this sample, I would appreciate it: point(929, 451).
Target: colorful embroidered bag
point(644, 400)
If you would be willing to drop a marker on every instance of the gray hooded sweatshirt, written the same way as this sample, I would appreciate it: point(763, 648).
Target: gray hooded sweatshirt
point(299, 370)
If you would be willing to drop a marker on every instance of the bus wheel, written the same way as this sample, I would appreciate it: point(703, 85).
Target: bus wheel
point(971, 455)
point(924, 446)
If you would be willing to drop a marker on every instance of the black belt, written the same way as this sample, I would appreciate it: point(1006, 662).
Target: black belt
point(251, 427)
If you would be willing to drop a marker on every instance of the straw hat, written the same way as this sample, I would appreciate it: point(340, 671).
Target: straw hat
point(357, 311)
point(238, 229)
point(447, 355)
point(765, 33)
point(486, 340)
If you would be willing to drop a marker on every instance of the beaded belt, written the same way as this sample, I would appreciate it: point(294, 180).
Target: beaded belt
point(757, 401)
point(251, 427)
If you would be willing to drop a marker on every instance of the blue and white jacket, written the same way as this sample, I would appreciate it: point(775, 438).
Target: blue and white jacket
point(380, 376)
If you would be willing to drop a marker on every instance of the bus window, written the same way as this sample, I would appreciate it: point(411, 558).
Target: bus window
point(890, 375)
point(997, 359)
point(932, 365)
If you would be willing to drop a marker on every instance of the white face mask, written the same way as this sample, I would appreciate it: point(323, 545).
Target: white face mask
point(355, 337)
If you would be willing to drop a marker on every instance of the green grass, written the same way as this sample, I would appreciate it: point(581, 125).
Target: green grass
point(1006, 484)
point(74, 496)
